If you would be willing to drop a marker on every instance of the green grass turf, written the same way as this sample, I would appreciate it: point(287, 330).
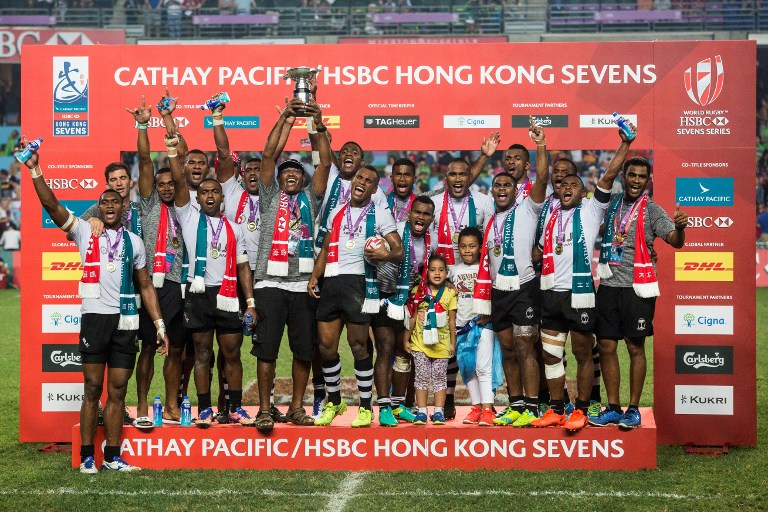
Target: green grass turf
point(32, 480)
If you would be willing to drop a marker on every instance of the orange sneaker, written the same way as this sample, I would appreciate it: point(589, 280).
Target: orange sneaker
point(474, 415)
point(550, 419)
point(486, 418)
point(576, 422)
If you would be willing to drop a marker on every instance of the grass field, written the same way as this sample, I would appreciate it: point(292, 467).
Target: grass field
point(32, 480)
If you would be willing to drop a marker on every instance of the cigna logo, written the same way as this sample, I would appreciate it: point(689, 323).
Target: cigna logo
point(705, 84)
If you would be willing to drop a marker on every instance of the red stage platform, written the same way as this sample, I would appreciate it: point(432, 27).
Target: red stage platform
point(405, 447)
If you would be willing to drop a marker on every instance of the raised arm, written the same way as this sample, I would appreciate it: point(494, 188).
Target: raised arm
point(60, 216)
point(323, 169)
point(166, 107)
point(180, 188)
point(276, 141)
point(142, 115)
point(606, 181)
point(487, 148)
point(539, 187)
point(226, 166)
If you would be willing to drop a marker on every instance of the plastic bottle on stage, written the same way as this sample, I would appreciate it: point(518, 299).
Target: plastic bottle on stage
point(26, 153)
point(186, 412)
point(214, 102)
point(247, 324)
point(624, 126)
point(157, 412)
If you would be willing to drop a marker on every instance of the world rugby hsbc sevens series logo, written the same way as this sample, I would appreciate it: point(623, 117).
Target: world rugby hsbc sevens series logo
point(705, 84)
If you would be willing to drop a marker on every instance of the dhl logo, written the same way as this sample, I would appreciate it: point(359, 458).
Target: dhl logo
point(328, 121)
point(62, 266)
point(703, 266)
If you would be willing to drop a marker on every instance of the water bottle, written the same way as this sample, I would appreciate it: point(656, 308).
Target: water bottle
point(214, 102)
point(157, 412)
point(624, 126)
point(24, 155)
point(165, 103)
point(186, 412)
point(247, 324)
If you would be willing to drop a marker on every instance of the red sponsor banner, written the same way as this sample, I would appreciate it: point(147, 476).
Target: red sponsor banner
point(408, 447)
point(761, 267)
point(457, 96)
point(12, 39)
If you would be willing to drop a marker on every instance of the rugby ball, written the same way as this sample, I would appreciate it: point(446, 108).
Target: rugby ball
point(373, 243)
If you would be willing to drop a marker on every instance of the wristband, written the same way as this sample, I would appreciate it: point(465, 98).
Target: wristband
point(160, 326)
point(315, 158)
point(250, 302)
point(142, 126)
point(311, 126)
point(67, 226)
point(36, 172)
point(218, 121)
point(172, 153)
point(321, 129)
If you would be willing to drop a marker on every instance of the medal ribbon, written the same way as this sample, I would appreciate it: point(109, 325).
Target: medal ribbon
point(560, 227)
point(215, 234)
point(353, 229)
point(112, 248)
point(457, 220)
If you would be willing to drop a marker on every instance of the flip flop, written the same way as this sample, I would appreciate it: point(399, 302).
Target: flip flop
point(167, 421)
point(144, 423)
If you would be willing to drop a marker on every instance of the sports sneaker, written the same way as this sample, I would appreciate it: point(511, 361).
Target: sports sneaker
point(576, 421)
point(525, 419)
point(386, 418)
point(277, 416)
point(317, 407)
point(509, 417)
point(474, 415)
point(330, 412)
point(242, 417)
point(631, 419)
point(450, 411)
point(486, 418)
point(403, 414)
point(605, 418)
point(88, 466)
point(438, 418)
point(222, 418)
point(127, 419)
point(569, 408)
point(204, 418)
point(118, 464)
point(543, 408)
point(364, 418)
point(420, 418)
point(594, 410)
point(549, 419)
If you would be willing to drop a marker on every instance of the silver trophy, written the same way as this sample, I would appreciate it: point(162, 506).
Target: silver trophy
point(301, 76)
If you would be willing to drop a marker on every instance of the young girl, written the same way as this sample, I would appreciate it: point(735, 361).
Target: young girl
point(431, 337)
point(474, 336)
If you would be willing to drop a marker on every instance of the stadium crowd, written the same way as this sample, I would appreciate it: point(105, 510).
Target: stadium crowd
point(486, 272)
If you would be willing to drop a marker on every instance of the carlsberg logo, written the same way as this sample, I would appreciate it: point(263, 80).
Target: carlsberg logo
point(703, 360)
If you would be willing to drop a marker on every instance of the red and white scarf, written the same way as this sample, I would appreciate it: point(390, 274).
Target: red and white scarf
point(161, 245)
point(278, 254)
point(481, 297)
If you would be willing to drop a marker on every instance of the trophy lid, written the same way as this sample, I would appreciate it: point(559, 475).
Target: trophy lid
point(300, 72)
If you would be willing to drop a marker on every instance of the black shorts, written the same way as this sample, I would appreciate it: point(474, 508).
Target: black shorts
point(172, 309)
point(202, 315)
point(102, 343)
point(276, 309)
point(381, 319)
point(519, 307)
point(342, 297)
point(621, 313)
point(558, 315)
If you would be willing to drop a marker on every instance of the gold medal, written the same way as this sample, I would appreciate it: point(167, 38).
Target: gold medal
point(214, 253)
point(455, 238)
point(351, 244)
point(251, 226)
point(559, 249)
point(497, 251)
point(175, 243)
point(111, 266)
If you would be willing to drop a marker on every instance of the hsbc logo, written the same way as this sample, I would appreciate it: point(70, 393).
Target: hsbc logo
point(709, 222)
point(704, 82)
point(157, 122)
point(72, 184)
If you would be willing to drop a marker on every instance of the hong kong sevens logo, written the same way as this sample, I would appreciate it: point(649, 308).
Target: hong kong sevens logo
point(707, 85)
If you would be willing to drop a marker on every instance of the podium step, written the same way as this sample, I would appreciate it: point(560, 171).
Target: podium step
point(405, 447)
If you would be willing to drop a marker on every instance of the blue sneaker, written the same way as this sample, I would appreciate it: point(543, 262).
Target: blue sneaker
point(631, 419)
point(88, 466)
point(569, 408)
point(204, 418)
point(118, 464)
point(317, 407)
point(605, 418)
point(438, 418)
point(420, 419)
